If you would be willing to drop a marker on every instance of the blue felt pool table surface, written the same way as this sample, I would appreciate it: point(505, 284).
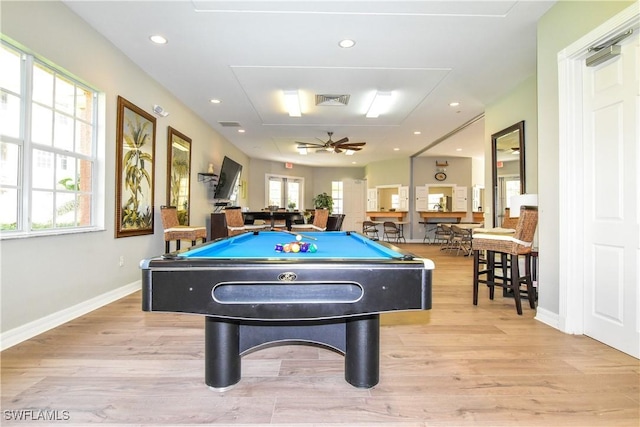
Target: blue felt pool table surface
point(261, 245)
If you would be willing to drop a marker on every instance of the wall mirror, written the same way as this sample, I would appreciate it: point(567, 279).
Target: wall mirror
point(178, 173)
point(507, 148)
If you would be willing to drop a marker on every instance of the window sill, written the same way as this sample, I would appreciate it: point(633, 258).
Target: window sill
point(9, 235)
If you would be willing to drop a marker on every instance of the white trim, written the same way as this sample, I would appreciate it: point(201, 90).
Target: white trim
point(547, 317)
point(571, 182)
point(31, 329)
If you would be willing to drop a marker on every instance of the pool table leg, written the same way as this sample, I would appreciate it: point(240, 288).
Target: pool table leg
point(362, 355)
point(221, 353)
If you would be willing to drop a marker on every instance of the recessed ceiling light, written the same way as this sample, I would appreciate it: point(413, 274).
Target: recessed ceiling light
point(396, 149)
point(417, 132)
point(454, 104)
point(292, 103)
point(240, 130)
point(380, 105)
point(215, 101)
point(158, 39)
point(347, 43)
point(458, 149)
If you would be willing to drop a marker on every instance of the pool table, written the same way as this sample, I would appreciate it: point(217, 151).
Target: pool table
point(252, 295)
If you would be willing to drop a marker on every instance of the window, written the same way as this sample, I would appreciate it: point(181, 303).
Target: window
point(48, 140)
point(285, 191)
point(337, 193)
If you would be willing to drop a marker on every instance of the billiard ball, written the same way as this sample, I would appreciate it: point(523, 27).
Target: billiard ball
point(286, 247)
point(278, 247)
point(313, 247)
point(298, 237)
point(295, 247)
point(304, 247)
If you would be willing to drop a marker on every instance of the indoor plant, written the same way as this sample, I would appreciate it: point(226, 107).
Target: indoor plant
point(323, 201)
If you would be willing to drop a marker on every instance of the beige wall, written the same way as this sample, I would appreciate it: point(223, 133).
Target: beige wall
point(73, 269)
point(565, 23)
point(388, 172)
point(317, 180)
point(519, 104)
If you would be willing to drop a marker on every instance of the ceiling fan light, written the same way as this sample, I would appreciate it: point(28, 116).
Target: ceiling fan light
point(292, 103)
point(347, 43)
point(380, 105)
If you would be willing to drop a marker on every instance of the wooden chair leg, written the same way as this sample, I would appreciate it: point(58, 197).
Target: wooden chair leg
point(531, 291)
point(476, 274)
point(515, 283)
point(491, 274)
point(167, 246)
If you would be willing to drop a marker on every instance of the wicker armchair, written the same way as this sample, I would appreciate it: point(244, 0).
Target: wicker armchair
point(236, 225)
point(174, 231)
point(320, 218)
point(509, 246)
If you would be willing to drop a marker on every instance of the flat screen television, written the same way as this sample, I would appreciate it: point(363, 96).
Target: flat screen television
point(229, 174)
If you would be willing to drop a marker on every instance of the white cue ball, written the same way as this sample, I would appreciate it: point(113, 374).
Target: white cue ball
point(298, 237)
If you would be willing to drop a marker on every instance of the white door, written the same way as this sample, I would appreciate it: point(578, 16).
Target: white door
point(422, 199)
point(460, 197)
point(354, 204)
point(372, 200)
point(611, 96)
point(403, 195)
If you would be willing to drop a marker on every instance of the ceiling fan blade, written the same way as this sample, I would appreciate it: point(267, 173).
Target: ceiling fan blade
point(340, 141)
point(309, 144)
point(337, 150)
point(352, 144)
point(351, 148)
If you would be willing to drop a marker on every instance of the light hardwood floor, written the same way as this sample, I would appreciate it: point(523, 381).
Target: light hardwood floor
point(455, 365)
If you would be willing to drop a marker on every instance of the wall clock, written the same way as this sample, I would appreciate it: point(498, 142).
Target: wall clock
point(441, 176)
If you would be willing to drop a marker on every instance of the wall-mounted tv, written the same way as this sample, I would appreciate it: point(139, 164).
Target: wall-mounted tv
point(229, 174)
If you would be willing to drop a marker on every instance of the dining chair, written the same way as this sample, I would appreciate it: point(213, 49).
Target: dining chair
point(320, 218)
point(442, 234)
point(174, 231)
point(236, 225)
point(461, 239)
point(509, 246)
point(334, 223)
point(391, 230)
point(370, 230)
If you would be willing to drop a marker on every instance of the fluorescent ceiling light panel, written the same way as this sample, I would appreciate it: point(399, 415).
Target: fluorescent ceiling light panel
point(349, 152)
point(302, 150)
point(380, 104)
point(292, 102)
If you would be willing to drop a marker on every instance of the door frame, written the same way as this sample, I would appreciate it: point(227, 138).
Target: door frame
point(571, 160)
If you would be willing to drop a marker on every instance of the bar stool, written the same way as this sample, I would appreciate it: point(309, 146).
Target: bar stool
point(509, 247)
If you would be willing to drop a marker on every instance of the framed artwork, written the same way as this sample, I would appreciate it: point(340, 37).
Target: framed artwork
point(178, 173)
point(135, 152)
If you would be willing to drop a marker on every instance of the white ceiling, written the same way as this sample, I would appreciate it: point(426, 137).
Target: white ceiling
point(245, 53)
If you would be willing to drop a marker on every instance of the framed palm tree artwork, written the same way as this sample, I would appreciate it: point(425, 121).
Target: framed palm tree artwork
point(178, 173)
point(135, 151)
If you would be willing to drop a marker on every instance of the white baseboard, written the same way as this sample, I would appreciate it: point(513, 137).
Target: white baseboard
point(548, 318)
point(31, 329)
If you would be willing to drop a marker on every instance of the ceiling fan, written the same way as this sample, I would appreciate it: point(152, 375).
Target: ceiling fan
point(331, 146)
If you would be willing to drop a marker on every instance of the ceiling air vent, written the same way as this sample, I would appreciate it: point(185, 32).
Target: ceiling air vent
point(229, 124)
point(332, 100)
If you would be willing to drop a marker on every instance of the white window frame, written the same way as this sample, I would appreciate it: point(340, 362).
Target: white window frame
point(283, 178)
point(338, 197)
point(26, 147)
